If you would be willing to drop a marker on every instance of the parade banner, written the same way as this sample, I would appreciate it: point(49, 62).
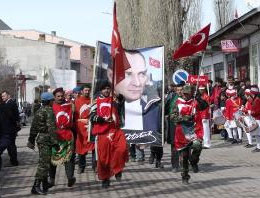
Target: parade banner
point(63, 78)
point(193, 79)
point(142, 89)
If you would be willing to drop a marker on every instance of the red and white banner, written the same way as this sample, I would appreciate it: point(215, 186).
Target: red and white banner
point(230, 45)
point(193, 79)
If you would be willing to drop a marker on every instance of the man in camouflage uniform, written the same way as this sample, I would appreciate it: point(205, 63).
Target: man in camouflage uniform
point(170, 105)
point(188, 124)
point(43, 127)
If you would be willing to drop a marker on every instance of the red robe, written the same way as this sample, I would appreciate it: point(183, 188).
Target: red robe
point(63, 114)
point(111, 142)
point(82, 108)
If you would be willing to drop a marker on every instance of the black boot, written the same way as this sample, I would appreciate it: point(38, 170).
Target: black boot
point(105, 183)
point(36, 189)
point(158, 164)
point(51, 182)
point(195, 168)
point(71, 182)
point(118, 176)
point(81, 170)
point(45, 185)
point(185, 178)
point(151, 158)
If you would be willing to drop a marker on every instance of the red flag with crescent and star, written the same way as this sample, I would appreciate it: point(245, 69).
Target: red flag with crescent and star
point(118, 53)
point(197, 42)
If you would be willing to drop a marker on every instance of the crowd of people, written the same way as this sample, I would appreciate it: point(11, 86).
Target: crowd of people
point(68, 125)
point(230, 108)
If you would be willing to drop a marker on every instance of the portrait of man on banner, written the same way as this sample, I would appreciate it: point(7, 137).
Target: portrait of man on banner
point(142, 91)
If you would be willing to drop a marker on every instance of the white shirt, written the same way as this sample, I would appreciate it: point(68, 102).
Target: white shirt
point(133, 115)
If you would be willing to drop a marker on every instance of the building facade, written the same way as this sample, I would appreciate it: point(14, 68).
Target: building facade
point(81, 55)
point(244, 62)
point(34, 59)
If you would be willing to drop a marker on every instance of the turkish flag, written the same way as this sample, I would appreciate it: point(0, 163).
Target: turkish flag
point(118, 53)
point(155, 63)
point(197, 42)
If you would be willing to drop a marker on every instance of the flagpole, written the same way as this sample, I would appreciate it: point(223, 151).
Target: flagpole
point(113, 84)
point(92, 89)
point(197, 85)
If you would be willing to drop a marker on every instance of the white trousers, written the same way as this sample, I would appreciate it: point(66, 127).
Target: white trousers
point(256, 133)
point(206, 133)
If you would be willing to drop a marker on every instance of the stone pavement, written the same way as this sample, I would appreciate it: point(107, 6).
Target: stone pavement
point(226, 171)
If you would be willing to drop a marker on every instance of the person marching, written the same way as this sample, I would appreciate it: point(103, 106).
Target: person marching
point(82, 109)
point(205, 116)
point(255, 112)
point(247, 109)
point(185, 136)
point(174, 153)
point(112, 152)
point(43, 127)
point(64, 122)
point(233, 104)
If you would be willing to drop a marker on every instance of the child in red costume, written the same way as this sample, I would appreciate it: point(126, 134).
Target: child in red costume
point(253, 108)
point(111, 142)
point(233, 104)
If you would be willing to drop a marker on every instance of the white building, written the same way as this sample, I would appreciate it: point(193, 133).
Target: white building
point(81, 55)
point(244, 64)
point(34, 58)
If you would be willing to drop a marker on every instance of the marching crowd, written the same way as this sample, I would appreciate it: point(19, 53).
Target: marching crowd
point(228, 108)
point(69, 125)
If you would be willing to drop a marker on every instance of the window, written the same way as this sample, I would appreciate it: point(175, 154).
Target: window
point(60, 52)
point(254, 63)
point(219, 70)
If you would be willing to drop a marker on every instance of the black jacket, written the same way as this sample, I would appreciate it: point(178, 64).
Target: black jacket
point(9, 117)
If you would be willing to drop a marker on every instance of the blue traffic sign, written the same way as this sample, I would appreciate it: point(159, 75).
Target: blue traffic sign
point(179, 76)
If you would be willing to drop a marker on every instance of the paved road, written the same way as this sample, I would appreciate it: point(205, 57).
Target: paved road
point(226, 171)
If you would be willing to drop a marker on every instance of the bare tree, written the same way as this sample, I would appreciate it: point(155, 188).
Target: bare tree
point(224, 12)
point(7, 75)
point(192, 23)
point(144, 23)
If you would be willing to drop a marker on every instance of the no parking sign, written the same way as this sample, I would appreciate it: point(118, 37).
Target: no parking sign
point(179, 76)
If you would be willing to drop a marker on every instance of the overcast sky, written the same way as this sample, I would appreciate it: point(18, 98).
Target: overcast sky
point(81, 20)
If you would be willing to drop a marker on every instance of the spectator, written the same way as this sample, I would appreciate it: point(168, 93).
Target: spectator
point(10, 125)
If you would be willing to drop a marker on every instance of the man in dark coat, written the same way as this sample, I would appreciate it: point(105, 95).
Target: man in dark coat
point(10, 126)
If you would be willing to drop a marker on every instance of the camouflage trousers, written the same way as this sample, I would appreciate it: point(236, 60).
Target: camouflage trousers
point(190, 156)
point(44, 161)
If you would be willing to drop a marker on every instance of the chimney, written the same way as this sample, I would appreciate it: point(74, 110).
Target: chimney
point(53, 33)
point(41, 37)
